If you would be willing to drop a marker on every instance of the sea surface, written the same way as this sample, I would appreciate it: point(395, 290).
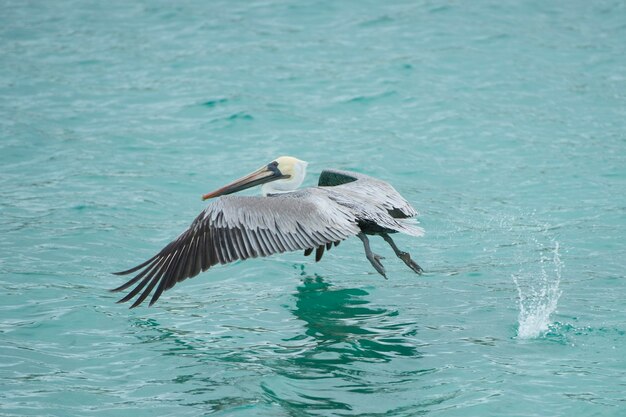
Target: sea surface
point(502, 122)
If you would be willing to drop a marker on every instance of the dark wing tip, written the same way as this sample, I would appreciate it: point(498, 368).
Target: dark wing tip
point(138, 301)
point(319, 252)
point(118, 289)
point(183, 258)
point(331, 177)
point(136, 268)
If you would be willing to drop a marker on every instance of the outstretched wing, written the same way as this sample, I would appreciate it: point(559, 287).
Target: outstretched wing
point(235, 227)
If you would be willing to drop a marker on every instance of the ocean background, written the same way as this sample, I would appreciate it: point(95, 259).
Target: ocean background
point(502, 122)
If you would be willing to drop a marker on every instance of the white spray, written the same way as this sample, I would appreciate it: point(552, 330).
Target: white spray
point(538, 292)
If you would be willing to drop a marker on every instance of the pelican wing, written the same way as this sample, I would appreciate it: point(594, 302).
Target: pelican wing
point(370, 189)
point(236, 228)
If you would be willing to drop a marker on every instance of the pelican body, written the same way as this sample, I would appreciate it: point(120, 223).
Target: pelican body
point(232, 228)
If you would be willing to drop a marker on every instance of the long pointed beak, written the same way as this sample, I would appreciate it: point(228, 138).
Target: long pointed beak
point(258, 177)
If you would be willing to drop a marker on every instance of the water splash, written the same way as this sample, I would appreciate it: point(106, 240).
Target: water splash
point(538, 293)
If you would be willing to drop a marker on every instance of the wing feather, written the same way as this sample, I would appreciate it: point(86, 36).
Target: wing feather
point(250, 248)
point(371, 189)
point(373, 201)
point(237, 228)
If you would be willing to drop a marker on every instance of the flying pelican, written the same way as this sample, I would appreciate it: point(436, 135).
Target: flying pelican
point(284, 219)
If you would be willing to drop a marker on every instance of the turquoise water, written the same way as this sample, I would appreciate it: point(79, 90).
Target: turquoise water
point(502, 122)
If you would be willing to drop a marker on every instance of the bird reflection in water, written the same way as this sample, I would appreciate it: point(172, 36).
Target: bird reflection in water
point(343, 351)
point(345, 328)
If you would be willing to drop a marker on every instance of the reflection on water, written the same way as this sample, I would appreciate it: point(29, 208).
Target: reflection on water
point(345, 328)
point(348, 344)
point(336, 346)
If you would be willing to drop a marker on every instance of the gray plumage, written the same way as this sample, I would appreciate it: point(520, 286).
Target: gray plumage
point(231, 228)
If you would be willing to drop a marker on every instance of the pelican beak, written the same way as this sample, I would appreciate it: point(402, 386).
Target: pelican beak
point(263, 175)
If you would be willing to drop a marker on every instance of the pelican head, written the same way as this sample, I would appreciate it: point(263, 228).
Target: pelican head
point(281, 175)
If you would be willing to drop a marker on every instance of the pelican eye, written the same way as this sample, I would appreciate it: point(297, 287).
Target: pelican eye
point(273, 166)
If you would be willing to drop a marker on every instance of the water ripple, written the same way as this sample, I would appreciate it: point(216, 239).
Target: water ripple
point(503, 124)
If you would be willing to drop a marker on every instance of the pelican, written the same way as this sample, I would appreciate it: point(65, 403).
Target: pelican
point(232, 228)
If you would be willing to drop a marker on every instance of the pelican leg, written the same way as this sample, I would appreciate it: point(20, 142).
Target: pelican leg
point(405, 256)
point(371, 256)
